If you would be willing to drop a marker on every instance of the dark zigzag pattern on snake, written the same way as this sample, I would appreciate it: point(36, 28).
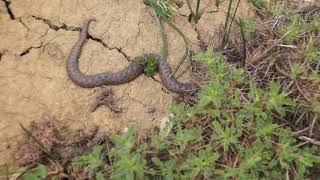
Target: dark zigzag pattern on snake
point(123, 76)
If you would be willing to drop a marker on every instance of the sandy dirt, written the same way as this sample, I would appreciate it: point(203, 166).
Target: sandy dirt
point(36, 37)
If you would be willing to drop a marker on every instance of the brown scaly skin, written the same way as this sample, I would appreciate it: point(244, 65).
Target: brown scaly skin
point(172, 84)
point(123, 76)
point(106, 78)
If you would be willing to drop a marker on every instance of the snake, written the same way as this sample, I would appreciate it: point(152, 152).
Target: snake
point(125, 75)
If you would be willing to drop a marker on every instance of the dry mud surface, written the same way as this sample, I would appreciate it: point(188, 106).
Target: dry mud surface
point(36, 37)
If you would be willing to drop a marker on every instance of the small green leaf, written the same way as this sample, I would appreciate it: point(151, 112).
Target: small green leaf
point(203, 163)
point(207, 56)
point(38, 173)
point(100, 176)
point(248, 26)
point(258, 3)
point(311, 53)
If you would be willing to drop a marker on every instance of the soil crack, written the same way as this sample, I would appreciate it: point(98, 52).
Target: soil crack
point(11, 14)
point(1, 54)
point(78, 29)
point(120, 50)
point(27, 51)
point(7, 4)
point(202, 44)
point(56, 27)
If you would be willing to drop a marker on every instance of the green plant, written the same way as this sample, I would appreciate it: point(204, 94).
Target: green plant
point(311, 53)
point(315, 23)
point(163, 8)
point(258, 3)
point(37, 173)
point(5, 171)
point(292, 30)
point(183, 138)
point(248, 26)
point(231, 119)
point(296, 71)
point(149, 64)
point(316, 107)
point(159, 142)
point(226, 135)
point(92, 162)
point(277, 8)
point(167, 169)
point(277, 100)
point(314, 75)
point(182, 115)
point(202, 163)
point(289, 156)
point(128, 162)
point(271, 60)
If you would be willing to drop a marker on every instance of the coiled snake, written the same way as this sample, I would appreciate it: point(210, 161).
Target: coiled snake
point(125, 75)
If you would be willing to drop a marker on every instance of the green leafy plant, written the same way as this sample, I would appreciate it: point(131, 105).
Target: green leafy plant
point(201, 164)
point(150, 65)
point(5, 171)
point(226, 135)
point(184, 137)
point(290, 156)
point(128, 163)
point(37, 173)
point(314, 75)
point(315, 23)
point(276, 100)
point(163, 8)
point(277, 8)
point(248, 26)
point(311, 53)
point(296, 71)
point(292, 30)
point(258, 3)
point(167, 169)
point(92, 162)
point(182, 114)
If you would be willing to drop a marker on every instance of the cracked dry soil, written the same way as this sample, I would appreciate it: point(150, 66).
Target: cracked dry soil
point(36, 37)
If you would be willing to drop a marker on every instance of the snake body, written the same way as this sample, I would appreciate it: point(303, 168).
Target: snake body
point(123, 76)
point(172, 84)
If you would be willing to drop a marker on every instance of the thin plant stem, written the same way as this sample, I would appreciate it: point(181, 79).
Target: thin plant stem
point(232, 20)
point(197, 11)
point(164, 49)
point(244, 41)
point(226, 24)
point(190, 7)
point(164, 39)
point(186, 52)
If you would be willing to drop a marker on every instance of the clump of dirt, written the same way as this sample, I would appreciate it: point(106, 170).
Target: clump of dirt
point(45, 133)
point(46, 140)
point(36, 37)
point(107, 99)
